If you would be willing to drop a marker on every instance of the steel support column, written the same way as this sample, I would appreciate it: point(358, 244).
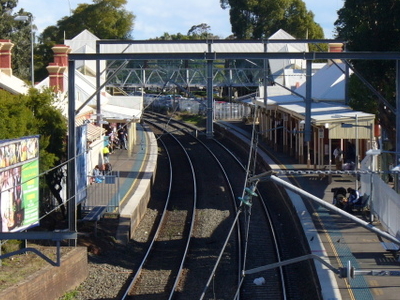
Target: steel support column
point(71, 167)
point(397, 121)
point(210, 100)
point(307, 128)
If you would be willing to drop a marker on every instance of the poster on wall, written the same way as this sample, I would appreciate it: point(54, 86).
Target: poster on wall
point(81, 165)
point(19, 184)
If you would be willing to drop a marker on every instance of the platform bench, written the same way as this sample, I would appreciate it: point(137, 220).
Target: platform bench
point(95, 215)
point(363, 204)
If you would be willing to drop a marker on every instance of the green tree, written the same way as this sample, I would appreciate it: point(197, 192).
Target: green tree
point(35, 114)
point(19, 32)
point(372, 26)
point(6, 7)
point(50, 124)
point(106, 19)
point(172, 37)
point(196, 32)
point(201, 31)
point(259, 19)
point(16, 119)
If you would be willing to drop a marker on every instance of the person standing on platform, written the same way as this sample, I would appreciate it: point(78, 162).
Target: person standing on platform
point(106, 154)
point(122, 136)
point(337, 153)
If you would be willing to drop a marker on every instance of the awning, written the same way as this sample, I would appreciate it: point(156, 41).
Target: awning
point(93, 132)
point(342, 121)
point(118, 114)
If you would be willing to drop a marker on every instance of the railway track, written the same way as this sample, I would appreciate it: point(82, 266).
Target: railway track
point(162, 265)
point(213, 217)
point(223, 236)
point(301, 281)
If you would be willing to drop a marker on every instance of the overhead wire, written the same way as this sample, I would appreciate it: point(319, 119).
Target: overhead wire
point(250, 170)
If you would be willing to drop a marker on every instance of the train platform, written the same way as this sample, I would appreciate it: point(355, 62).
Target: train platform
point(340, 240)
point(333, 235)
point(337, 239)
point(136, 168)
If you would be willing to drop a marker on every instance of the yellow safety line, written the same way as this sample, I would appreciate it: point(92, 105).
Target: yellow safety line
point(140, 169)
point(332, 245)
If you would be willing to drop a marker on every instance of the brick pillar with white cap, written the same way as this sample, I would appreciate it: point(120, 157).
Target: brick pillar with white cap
point(335, 47)
point(53, 70)
point(5, 56)
point(57, 68)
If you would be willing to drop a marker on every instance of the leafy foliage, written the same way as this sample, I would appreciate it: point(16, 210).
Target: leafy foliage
point(196, 32)
point(106, 19)
point(34, 114)
point(372, 25)
point(20, 33)
point(256, 19)
point(16, 119)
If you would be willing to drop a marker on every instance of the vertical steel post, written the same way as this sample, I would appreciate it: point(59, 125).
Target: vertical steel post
point(357, 150)
point(71, 166)
point(98, 83)
point(210, 100)
point(265, 62)
point(397, 122)
point(307, 128)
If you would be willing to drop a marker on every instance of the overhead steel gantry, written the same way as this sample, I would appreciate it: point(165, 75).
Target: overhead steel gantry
point(211, 51)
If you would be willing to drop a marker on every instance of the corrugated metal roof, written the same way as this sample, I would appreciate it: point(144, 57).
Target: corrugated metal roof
point(199, 46)
point(222, 47)
point(322, 112)
point(112, 113)
point(93, 131)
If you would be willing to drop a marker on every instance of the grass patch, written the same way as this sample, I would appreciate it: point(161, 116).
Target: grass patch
point(197, 120)
point(17, 268)
point(70, 295)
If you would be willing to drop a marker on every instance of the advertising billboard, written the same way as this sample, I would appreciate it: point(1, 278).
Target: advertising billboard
point(19, 184)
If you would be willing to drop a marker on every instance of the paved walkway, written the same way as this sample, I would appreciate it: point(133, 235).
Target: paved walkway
point(129, 164)
point(345, 241)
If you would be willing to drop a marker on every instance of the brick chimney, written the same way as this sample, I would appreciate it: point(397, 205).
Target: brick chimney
point(5, 56)
point(61, 54)
point(57, 68)
point(335, 47)
point(53, 70)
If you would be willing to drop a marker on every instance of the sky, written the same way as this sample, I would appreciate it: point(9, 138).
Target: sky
point(155, 17)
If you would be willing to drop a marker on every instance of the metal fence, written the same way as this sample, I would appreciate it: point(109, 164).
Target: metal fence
point(384, 200)
point(222, 110)
point(230, 111)
point(386, 205)
point(105, 191)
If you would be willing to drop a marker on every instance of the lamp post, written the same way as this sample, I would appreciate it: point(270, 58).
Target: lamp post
point(23, 19)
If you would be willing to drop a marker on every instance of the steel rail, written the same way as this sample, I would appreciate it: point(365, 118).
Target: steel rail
point(271, 227)
point(159, 227)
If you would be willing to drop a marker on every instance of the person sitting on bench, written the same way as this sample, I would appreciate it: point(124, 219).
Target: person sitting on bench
point(353, 199)
point(97, 174)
